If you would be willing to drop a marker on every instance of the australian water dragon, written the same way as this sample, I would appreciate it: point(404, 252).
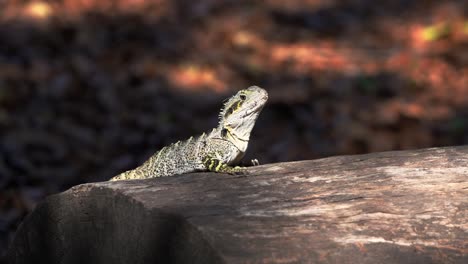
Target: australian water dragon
point(216, 151)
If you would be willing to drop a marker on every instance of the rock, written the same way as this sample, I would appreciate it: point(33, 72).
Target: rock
point(391, 207)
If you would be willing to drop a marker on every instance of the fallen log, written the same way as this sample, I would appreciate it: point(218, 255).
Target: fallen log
point(390, 207)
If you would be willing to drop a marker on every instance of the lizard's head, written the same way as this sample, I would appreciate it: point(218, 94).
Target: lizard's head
point(239, 114)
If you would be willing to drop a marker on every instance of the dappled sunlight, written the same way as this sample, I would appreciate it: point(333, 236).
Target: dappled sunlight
point(434, 31)
point(439, 78)
point(244, 39)
point(438, 36)
point(193, 77)
point(443, 82)
point(390, 111)
point(33, 10)
point(72, 9)
point(38, 10)
point(308, 57)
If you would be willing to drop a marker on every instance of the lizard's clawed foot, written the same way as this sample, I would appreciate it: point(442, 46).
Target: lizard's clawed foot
point(216, 165)
point(255, 162)
point(238, 171)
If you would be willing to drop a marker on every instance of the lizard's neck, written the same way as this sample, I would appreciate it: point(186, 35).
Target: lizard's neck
point(240, 143)
point(238, 137)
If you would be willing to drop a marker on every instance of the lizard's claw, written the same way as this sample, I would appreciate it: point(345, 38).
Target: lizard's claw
point(255, 162)
point(237, 171)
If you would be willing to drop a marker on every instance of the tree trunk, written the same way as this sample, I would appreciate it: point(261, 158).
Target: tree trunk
point(392, 207)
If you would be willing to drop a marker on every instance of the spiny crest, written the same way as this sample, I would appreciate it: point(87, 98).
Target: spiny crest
point(201, 137)
point(189, 140)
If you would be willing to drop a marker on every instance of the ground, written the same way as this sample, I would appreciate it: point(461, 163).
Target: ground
point(91, 88)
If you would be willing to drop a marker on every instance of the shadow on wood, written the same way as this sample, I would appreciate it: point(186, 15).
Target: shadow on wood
point(391, 207)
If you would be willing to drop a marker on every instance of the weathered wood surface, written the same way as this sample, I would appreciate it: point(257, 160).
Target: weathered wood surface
point(393, 207)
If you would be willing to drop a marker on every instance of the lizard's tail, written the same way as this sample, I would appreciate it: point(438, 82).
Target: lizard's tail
point(128, 175)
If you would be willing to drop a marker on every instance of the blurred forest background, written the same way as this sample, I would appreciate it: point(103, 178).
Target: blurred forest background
point(90, 88)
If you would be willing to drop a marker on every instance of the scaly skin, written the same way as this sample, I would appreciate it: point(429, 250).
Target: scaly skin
point(216, 151)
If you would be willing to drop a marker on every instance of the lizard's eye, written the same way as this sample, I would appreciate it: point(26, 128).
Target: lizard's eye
point(224, 132)
point(243, 97)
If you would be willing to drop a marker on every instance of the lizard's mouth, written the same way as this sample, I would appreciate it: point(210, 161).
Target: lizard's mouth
point(257, 107)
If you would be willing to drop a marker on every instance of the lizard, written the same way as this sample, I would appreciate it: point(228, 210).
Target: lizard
point(216, 151)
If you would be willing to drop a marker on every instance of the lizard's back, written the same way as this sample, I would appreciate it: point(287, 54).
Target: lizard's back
point(184, 157)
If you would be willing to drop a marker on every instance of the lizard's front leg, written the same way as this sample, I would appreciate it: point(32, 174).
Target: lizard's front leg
point(216, 165)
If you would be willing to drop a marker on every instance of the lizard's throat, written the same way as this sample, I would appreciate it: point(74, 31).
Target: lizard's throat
point(239, 142)
point(240, 136)
point(239, 131)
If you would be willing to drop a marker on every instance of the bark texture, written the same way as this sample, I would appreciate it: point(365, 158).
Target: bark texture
point(391, 207)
